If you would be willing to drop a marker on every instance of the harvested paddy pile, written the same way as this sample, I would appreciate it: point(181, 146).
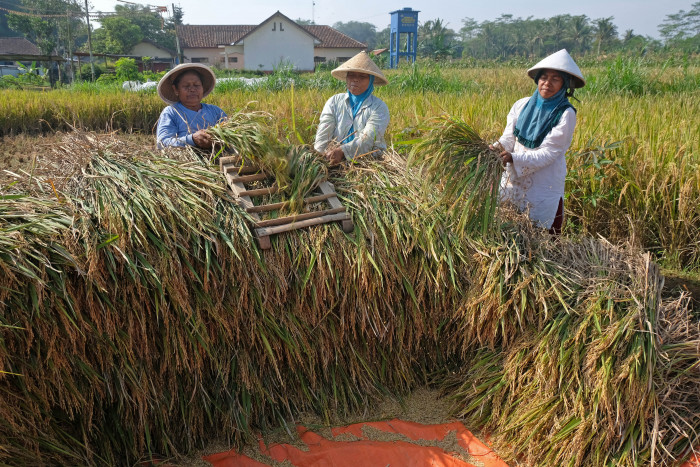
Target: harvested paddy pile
point(138, 316)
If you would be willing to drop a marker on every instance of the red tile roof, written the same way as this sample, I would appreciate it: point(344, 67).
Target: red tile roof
point(332, 37)
point(18, 45)
point(192, 36)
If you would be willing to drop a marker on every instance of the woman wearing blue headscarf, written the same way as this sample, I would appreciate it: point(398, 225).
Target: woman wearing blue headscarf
point(353, 123)
point(538, 133)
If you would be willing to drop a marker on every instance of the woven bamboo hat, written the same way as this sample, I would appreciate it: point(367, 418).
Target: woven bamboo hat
point(165, 85)
point(560, 61)
point(360, 63)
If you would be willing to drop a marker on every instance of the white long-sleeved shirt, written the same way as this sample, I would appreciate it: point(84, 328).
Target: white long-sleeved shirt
point(535, 180)
point(370, 124)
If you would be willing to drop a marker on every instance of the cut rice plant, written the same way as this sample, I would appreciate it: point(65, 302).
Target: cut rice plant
point(138, 317)
point(578, 380)
point(458, 161)
point(307, 171)
point(297, 170)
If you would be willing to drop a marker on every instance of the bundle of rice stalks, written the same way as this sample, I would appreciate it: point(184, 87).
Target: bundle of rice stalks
point(307, 171)
point(167, 322)
point(249, 135)
point(155, 321)
point(455, 158)
point(297, 170)
point(677, 418)
point(573, 367)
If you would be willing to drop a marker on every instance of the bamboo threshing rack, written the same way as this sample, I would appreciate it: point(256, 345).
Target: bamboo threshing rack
point(238, 174)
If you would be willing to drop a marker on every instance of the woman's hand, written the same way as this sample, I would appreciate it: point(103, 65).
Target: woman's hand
point(504, 155)
point(202, 139)
point(334, 156)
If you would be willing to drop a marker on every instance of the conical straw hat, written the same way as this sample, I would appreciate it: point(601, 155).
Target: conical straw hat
point(560, 61)
point(360, 63)
point(165, 85)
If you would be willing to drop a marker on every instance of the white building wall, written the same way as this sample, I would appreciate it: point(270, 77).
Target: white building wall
point(337, 54)
point(144, 49)
point(236, 58)
point(210, 56)
point(278, 41)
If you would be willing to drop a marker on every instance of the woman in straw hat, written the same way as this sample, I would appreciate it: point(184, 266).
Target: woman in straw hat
point(353, 124)
point(182, 123)
point(538, 133)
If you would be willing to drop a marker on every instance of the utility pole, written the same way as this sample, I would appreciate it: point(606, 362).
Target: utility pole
point(70, 48)
point(313, 5)
point(180, 58)
point(87, 17)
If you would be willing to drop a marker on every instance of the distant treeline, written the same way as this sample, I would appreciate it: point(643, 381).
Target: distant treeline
point(508, 37)
point(58, 26)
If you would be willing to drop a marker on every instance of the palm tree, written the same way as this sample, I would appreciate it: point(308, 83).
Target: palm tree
point(436, 39)
point(557, 28)
point(605, 31)
point(580, 33)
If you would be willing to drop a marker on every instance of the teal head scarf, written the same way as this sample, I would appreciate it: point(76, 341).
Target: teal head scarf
point(540, 115)
point(355, 104)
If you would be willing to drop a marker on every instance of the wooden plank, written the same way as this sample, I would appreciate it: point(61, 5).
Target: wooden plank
point(249, 178)
point(298, 217)
point(284, 204)
point(327, 188)
point(236, 187)
point(228, 160)
point(298, 225)
point(241, 170)
point(264, 242)
point(244, 203)
point(259, 192)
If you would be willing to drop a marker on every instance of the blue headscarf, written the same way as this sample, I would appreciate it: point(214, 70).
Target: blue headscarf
point(355, 104)
point(540, 115)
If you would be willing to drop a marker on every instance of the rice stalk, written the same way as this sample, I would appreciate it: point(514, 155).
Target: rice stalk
point(455, 158)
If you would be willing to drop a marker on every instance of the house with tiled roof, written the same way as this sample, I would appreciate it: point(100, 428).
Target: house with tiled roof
point(277, 41)
point(160, 58)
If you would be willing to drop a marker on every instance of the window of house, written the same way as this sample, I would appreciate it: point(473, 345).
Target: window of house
point(343, 59)
point(200, 60)
point(319, 59)
point(234, 59)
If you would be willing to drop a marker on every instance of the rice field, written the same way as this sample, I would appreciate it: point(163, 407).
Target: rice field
point(633, 162)
point(138, 316)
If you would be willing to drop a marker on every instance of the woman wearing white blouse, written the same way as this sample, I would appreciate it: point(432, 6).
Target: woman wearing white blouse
point(353, 123)
point(538, 133)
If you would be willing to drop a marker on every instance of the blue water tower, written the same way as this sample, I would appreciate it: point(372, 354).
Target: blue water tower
point(403, 22)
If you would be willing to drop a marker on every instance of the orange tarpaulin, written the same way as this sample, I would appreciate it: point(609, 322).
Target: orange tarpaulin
point(694, 461)
point(364, 452)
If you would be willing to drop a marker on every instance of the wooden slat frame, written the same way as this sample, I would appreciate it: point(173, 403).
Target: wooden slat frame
point(236, 177)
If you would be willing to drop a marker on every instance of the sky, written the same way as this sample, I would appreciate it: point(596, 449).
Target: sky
point(642, 16)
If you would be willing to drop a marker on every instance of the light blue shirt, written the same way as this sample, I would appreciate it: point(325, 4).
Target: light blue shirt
point(177, 123)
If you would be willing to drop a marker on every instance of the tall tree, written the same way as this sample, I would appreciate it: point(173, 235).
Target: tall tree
point(5, 30)
point(128, 26)
point(435, 40)
point(580, 34)
point(605, 32)
point(682, 25)
point(53, 25)
point(116, 36)
point(360, 31)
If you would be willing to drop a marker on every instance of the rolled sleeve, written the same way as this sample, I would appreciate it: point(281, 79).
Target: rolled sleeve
point(326, 126)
